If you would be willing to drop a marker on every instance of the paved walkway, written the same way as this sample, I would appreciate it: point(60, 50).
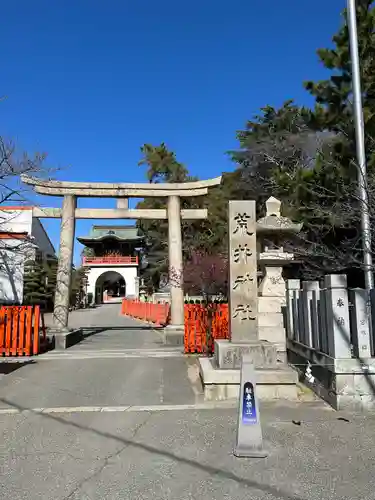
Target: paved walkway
point(120, 362)
point(120, 417)
point(106, 329)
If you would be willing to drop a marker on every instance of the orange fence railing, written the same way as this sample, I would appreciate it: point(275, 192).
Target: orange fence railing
point(22, 330)
point(146, 311)
point(204, 324)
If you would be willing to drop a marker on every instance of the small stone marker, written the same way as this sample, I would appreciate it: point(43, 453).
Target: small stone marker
point(361, 322)
point(249, 432)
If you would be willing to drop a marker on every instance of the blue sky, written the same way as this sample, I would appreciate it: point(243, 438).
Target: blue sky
point(89, 82)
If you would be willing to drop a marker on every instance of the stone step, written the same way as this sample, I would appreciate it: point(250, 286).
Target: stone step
point(275, 383)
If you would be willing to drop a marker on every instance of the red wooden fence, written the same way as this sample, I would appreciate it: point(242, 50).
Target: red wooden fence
point(147, 311)
point(22, 330)
point(203, 325)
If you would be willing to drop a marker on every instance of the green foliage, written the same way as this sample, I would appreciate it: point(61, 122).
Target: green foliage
point(39, 283)
point(162, 166)
point(50, 270)
point(307, 158)
point(77, 288)
point(32, 283)
point(334, 109)
point(273, 147)
point(87, 252)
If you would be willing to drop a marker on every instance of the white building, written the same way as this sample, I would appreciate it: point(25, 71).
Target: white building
point(112, 260)
point(22, 237)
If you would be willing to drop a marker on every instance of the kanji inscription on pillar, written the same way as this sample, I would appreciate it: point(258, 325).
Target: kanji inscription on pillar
point(243, 271)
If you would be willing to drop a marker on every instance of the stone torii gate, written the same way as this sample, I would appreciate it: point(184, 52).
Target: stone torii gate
point(70, 191)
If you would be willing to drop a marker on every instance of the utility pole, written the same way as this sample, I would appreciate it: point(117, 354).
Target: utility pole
point(360, 144)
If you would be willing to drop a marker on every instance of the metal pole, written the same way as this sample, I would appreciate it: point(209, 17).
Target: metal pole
point(360, 144)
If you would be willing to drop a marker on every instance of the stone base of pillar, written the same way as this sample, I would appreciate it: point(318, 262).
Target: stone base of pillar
point(174, 335)
point(63, 339)
point(228, 354)
point(221, 374)
point(272, 383)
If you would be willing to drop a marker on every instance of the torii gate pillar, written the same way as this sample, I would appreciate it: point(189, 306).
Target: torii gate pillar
point(175, 262)
point(65, 263)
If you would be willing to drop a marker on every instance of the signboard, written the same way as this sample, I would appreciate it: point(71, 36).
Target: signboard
point(249, 441)
point(249, 411)
point(243, 286)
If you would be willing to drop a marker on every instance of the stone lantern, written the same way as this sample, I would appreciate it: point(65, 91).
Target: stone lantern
point(142, 291)
point(272, 230)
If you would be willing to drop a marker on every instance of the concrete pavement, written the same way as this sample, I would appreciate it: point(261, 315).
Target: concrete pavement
point(120, 362)
point(120, 417)
point(186, 455)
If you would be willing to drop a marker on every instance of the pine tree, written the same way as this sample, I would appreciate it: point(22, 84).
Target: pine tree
point(78, 286)
point(162, 167)
point(50, 269)
point(34, 284)
point(334, 100)
point(274, 150)
point(283, 155)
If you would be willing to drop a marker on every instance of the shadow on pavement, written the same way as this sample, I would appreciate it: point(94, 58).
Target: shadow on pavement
point(213, 471)
point(88, 331)
point(119, 328)
point(7, 367)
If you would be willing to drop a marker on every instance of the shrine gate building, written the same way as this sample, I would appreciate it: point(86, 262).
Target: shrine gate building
point(111, 257)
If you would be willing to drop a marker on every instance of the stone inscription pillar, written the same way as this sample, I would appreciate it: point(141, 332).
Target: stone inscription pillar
point(64, 270)
point(175, 262)
point(338, 327)
point(243, 272)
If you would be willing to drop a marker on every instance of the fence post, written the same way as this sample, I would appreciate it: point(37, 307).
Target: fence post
point(338, 327)
point(292, 296)
point(315, 319)
point(372, 324)
point(322, 316)
point(360, 322)
point(36, 339)
point(2, 329)
point(14, 339)
point(308, 287)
